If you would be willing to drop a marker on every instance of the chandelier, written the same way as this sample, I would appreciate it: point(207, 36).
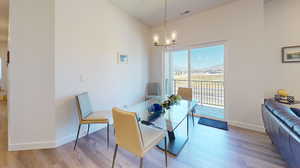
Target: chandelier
point(167, 41)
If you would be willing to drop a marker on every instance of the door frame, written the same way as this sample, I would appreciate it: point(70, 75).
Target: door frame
point(166, 59)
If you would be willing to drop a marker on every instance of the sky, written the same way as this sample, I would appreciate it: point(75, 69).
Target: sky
point(200, 57)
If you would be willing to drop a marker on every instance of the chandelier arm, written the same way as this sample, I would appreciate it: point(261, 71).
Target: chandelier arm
point(167, 42)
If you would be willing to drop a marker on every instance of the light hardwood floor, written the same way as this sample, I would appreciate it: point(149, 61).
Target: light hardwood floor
point(207, 148)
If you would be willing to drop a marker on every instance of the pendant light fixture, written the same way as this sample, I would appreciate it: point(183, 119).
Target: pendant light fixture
point(167, 41)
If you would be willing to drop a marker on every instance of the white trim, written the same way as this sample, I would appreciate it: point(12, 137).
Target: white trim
point(189, 47)
point(258, 128)
point(66, 139)
point(71, 137)
point(49, 144)
point(163, 77)
point(196, 45)
point(32, 145)
point(226, 75)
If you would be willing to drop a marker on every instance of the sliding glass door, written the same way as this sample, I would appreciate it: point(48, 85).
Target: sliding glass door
point(179, 69)
point(200, 68)
point(207, 74)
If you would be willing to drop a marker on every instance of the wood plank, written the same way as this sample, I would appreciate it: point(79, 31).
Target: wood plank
point(207, 147)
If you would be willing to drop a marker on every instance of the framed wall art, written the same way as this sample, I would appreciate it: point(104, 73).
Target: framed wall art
point(291, 54)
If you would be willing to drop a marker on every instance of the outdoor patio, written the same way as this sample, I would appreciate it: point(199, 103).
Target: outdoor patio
point(209, 111)
point(208, 94)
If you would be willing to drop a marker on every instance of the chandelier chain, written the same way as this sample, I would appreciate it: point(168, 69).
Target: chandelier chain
point(169, 41)
point(165, 18)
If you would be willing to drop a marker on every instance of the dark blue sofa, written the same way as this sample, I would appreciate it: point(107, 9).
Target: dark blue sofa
point(283, 127)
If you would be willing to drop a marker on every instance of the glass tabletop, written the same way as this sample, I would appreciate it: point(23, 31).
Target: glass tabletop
point(169, 120)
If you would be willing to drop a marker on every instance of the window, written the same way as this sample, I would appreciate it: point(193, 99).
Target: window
point(200, 68)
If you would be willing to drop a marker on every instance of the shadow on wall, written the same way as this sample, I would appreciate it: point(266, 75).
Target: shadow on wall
point(66, 116)
point(67, 120)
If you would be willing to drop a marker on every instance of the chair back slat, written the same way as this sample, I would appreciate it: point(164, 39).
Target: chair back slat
point(127, 130)
point(153, 89)
point(84, 105)
point(185, 93)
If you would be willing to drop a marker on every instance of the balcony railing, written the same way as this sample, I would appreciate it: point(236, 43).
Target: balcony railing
point(206, 92)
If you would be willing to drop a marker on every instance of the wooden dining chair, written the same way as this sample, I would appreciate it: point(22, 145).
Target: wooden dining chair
point(134, 137)
point(187, 94)
point(88, 116)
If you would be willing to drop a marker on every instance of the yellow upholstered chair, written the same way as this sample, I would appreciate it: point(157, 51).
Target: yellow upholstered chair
point(186, 94)
point(134, 137)
point(88, 116)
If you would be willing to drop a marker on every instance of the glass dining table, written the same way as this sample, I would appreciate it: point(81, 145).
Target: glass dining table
point(169, 120)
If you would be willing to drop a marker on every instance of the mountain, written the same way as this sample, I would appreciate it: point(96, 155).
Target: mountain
point(209, 70)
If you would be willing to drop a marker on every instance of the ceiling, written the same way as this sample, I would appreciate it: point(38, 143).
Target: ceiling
point(3, 20)
point(150, 12)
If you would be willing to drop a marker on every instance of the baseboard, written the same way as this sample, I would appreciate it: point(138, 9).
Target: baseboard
point(49, 144)
point(66, 139)
point(72, 137)
point(253, 127)
point(32, 146)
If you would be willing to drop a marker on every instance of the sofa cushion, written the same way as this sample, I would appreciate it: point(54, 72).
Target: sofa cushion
point(296, 111)
point(286, 116)
point(296, 128)
point(273, 105)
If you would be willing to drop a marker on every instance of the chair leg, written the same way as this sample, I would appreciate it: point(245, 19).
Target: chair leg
point(187, 126)
point(115, 155)
point(77, 136)
point(166, 153)
point(88, 130)
point(141, 162)
point(193, 117)
point(107, 138)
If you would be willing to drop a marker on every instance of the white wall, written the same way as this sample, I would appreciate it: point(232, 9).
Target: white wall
point(3, 54)
point(283, 29)
point(51, 64)
point(88, 36)
point(31, 75)
point(240, 24)
point(47, 69)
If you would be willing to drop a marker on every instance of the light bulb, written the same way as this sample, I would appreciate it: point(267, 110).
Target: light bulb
point(168, 42)
point(155, 39)
point(174, 35)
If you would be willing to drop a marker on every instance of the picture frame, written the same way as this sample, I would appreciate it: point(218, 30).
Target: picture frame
point(291, 54)
point(122, 58)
